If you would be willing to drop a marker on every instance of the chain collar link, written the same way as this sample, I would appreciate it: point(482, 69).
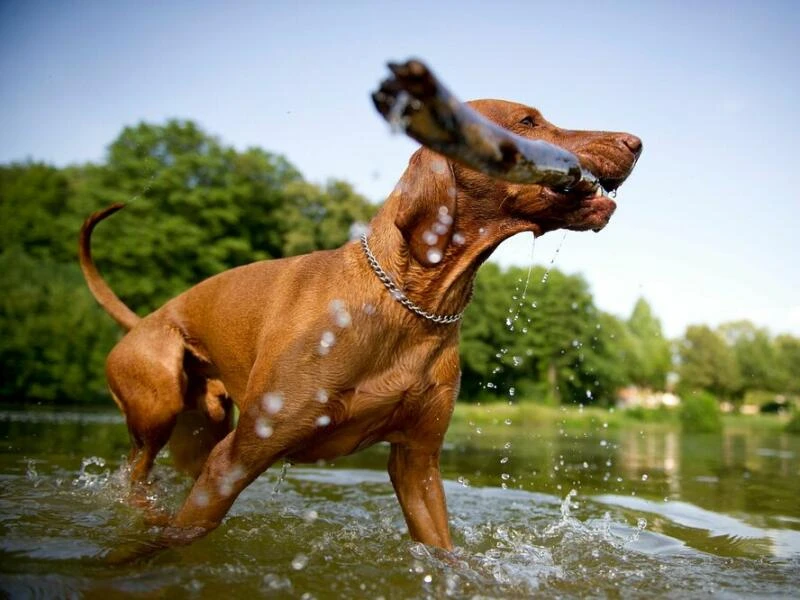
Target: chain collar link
point(398, 294)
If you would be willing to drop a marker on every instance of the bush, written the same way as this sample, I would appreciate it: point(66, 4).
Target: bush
point(699, 413)
point(662, 414)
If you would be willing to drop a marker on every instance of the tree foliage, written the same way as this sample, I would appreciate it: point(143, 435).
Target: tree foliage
point(652, 356)
point(708, 363)
point(195, 208)
point(548, 342)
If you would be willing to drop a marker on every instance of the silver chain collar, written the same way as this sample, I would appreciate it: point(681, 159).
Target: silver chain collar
point(398, 294)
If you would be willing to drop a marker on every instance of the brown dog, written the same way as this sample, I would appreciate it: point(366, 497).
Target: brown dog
point(319, 357)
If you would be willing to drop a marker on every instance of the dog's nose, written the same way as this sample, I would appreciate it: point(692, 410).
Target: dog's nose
point(633, 143)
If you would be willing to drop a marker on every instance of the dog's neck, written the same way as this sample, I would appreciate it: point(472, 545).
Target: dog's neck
point(446, 287)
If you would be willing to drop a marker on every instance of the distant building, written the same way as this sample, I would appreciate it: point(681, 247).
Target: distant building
point(636, 397)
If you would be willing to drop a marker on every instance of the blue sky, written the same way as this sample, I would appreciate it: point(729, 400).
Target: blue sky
point(706, 225)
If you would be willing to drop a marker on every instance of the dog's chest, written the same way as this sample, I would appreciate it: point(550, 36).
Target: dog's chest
point(377, 408)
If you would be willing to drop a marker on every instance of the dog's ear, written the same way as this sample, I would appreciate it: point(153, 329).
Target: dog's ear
point(427, 206)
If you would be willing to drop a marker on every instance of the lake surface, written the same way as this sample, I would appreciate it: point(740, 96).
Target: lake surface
point(535, 511)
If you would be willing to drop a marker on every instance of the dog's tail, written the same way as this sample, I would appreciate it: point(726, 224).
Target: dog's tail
point(97, 285)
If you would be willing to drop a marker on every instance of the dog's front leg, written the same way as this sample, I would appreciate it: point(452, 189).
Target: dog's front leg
point(414, 472)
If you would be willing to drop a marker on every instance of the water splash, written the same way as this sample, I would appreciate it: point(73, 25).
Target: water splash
point(281, 476)
point(92, 474)
point(521, 300)
point(396, 119)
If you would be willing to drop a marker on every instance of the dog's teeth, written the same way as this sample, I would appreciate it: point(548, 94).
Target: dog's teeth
point(599, 191)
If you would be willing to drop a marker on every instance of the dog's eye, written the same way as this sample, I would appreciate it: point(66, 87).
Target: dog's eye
point(528, 122)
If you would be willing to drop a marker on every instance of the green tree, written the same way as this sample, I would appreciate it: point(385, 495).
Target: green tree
point(707, 363)
point(54, 335)
point(484, 334)
point(651, 353)
point(33, 199)
point(756, 356)
point(787, 350)
point(196, 207)
point(550, 345)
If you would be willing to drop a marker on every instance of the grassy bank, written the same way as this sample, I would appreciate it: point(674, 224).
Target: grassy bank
point(530, 414)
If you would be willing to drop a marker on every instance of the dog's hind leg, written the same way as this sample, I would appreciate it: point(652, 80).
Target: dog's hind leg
point(207, 420)
point(146, 376)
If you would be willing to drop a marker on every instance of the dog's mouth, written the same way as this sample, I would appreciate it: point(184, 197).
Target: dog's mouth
point(589, 204)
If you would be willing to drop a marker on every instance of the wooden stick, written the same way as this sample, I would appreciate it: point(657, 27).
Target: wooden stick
point(414, 101)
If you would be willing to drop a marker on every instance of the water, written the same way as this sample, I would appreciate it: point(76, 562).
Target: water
point(534, 511)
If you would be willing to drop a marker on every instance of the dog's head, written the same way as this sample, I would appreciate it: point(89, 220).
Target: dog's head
point(609, 156)
point(440, 192)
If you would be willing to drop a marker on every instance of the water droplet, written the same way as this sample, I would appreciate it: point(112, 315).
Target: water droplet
point(458, 238)
point(263, 428)
point(505, 476)
point(434, 255)
point(644, 477)
point(507, 421)
point(341, 316)
point(440, 228)
point(327, 340)
point(430, 238)
point(274, 583)
point(322, 396)
point(200, 498)
point(358, 229)
point(397, 121)
point(427, 578)
point(299, 562)
point(369, 309)
point(516, 360)
point(323, 421)
point(310, 516)
point(272, 402)
point(504, 460)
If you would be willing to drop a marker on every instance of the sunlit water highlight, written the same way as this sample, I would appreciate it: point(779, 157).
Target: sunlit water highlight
point(730, 524)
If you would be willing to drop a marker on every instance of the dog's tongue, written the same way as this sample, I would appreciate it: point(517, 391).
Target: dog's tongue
point(414, 101)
